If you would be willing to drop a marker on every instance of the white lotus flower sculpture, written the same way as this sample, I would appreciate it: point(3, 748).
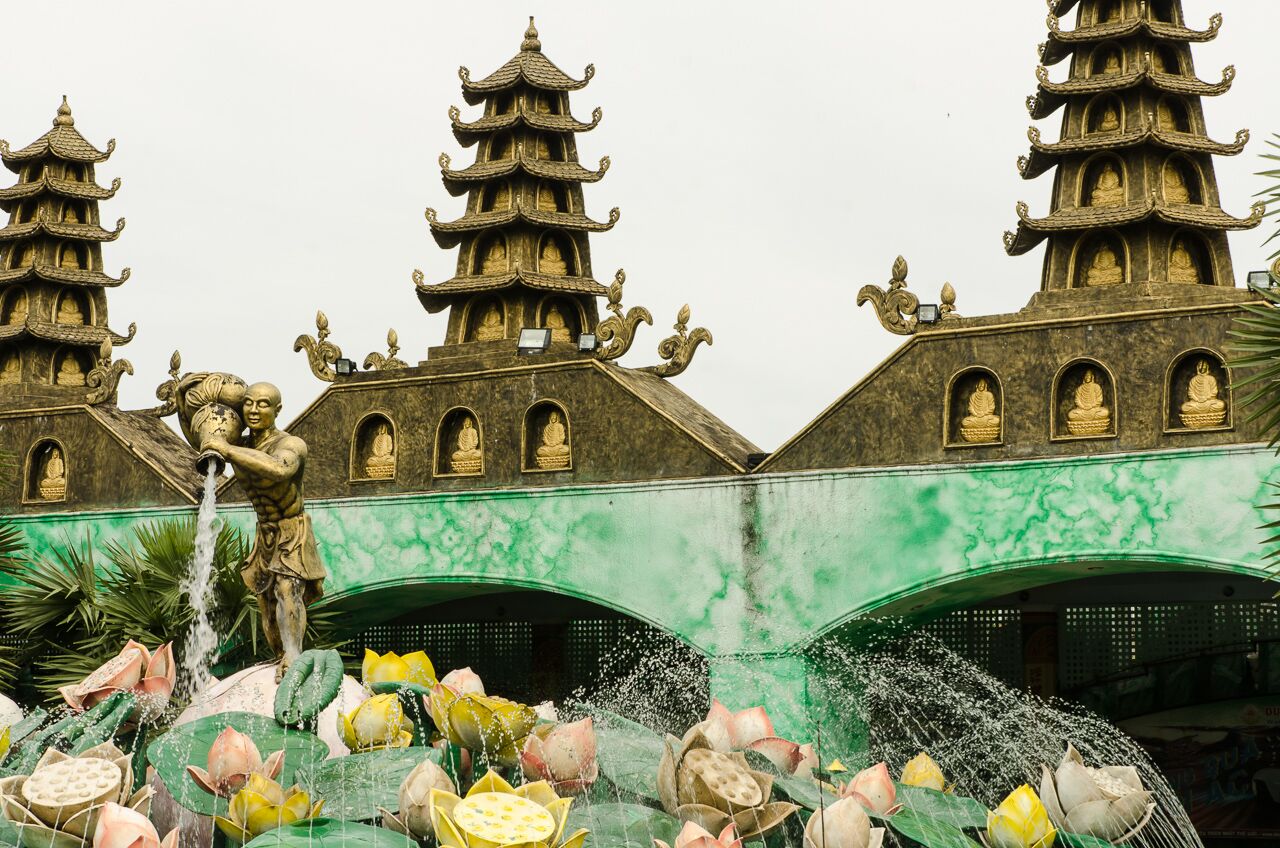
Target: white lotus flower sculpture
point(1108, 802)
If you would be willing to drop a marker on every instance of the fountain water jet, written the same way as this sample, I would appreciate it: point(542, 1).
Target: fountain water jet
point(202, 639)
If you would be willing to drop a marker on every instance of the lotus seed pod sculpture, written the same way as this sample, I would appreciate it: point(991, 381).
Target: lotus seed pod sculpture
point(60, 802)
point(873, 788)
point(393, 668)
point(414, 816)
point(378, 723)
point(495, 813)
point(752, 730)
point(1020, 821)
point(844, 824)
point(694, 836)
point(922, 771)
point(263, 806)
point(484, 724)
point(148, 675)
point(1109, 802)
point(563, 755)
point(232, 759)
point(121, 827)
point(700, 784)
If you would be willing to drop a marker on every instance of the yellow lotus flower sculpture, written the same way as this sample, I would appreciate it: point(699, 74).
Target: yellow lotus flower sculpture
point(484, 724)
point(495, 814)
point(262, 806)
point(1020, 821)
point(921, 770)
point(393, 668)
point(377, 723)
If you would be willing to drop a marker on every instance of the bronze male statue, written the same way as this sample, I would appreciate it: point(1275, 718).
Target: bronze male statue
point(284, 568)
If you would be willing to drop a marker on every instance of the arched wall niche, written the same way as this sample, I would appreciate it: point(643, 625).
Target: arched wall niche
point(1109, 11)
point(75, 212)
point(26, 212)
point(1161, 10)
point(69, 367)
point(14, 306)
point(374, 448)
point(1197, 395)
point(1190, 259)
point(1103, 182)
point(1165, 59)
point(1105, 115)
point(546, 439)
point(1083, 403)
point(486, 319)
point(549, 147)
point(459, 449)
point(502, 146)
point(496, 197)
point(491, 255)
point(1100, 259)
point(45, 472)
point(562, 316)
point(72, 307)
point(973, 414)
point(545, 102)
point(10, 366)
point(557, 255)
point(1181, 180)
point(1107, 58)
point(74, 256)
point(550, 197)
point(1172, 114)
point(504, 103)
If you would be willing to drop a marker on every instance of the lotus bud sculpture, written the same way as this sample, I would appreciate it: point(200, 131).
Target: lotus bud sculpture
point(61, 801)
point(694, 836)
point(844, 824)
point(262, 806)
point(414, 816)
point(873, 788)
point(495, 813)
point(700, 784)
point(752, 730)
point(922, 771)
point(377, 723)
point(232, 759)
point(464, 681)
point(393, 668)
point(563, 755)
point(1020, 821)
point(1109, 802)
point(148, 675)
point(121, 827)
point(488, 726)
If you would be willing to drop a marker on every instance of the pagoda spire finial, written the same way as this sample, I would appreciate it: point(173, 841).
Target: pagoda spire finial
point(531, 41)
point(64, 118)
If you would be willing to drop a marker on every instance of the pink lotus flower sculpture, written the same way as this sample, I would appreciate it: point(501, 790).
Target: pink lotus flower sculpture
point(464, 681)
point(693, 835)
point(148, 675)
point(232, 759)
point(752, 730)
point(873, 788)
point(121, 827)
point(564, 755)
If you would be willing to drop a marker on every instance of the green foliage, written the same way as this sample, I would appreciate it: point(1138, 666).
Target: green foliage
point(1271, 194)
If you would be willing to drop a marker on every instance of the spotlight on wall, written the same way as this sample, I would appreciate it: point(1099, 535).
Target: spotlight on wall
point(928, 313)
point(344, 367)
point(533, 340)
point(1261, 279)
point(587, 343)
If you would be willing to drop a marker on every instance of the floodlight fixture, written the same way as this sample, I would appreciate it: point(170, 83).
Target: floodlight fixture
point(928, 313)
point(587, 343)
point(533, 340)
point(344, 367)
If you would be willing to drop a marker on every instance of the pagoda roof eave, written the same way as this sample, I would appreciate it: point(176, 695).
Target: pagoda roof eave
point(1044, 155)
point(1031, 231)
point(529, 67)
point(449, 234)
point(61, 188)
point(438, 296)
point(67, 276)
point(1062, 43)
point(62, 142)
point(1050, 96)
point(458, 182)
point(59, 229)
point(469, 132)
point(74, 334)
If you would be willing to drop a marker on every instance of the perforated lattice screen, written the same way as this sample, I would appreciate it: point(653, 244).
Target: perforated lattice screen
point(990, 638)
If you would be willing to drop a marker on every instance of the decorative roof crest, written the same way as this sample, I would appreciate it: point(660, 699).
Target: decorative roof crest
point(321, 353)
point(617, 332)
point(104, 378)
point(377, 362)
point(531, 41)
point(897, 308)
point(678, 349)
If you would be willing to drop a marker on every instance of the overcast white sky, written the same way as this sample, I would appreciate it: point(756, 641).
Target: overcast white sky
point(768, 159)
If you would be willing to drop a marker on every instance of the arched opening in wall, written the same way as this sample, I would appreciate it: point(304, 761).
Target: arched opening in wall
point(502, 147)
point(75, 212)
point(546, 103)
point(490, 255)
point(72, 308)
point(496, 197)
point(26, 212)
point(551, 197)
point(486, 320)
point(1161, 10)
point(1083, 402)
point(45, 474)
point(10, 366)
point(557, 256)
point(546, 439)
point(1172, 115)
point(532, 646)
point(1103, 182)
point(1181, 181)
point(1108, 11)
point(73, 173)
point(15, 306)
point(70, 367)
point(1100, 259)
point(74, 256)
point(1105, 115)
point(1190, 260)
point(504, 103)
point(21, 255)
point(1197, 392)
point(549, 147)
point(34, 173)
point(974, 409)
point(459, 444)
point(374, 448)
point(563, 317)
point(1165, 60)
point(1106, 59)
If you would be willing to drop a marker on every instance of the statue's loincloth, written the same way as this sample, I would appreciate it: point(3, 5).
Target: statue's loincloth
point(285, 548)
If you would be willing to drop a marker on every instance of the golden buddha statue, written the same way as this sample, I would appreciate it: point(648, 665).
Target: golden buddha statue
point(547, 199)
point(53, 485)
point(1110, 121)
point(18, 309)
point(495, 258)
point(503, 148)
point(70, 373)
point(68, 258)
point(1175, 185)
point(12, 370)
point(1108, 189)
point(981, 424)
point(551, 261)
point(1104, 269)
point(69, 311)
point(556, 324)
point(490, 324)
point(500, 199)
point(1111, 12)
point(467, 459)
point(1182, 267)
point(381, 464)
point(1113, 64)
point(1203, 407)
point(1089, 416)
point(1168, 120)
point(553, 452)
point(69, 214)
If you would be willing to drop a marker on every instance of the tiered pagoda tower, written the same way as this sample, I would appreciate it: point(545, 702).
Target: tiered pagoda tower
point(524, 258)
point(53, 302)
point(1135, 199)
